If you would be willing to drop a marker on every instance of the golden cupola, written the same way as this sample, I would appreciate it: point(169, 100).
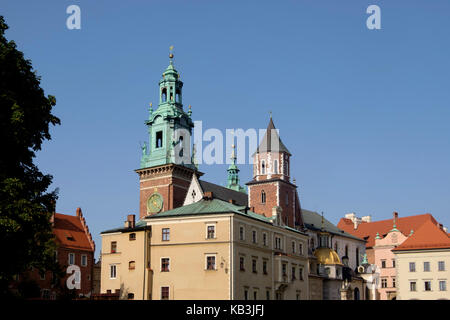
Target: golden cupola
point(324, 253)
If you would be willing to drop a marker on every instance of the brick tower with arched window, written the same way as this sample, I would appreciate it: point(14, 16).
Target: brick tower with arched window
point(271, 185)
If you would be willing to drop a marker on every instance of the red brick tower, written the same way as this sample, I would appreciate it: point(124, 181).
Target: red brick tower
point(271, 184)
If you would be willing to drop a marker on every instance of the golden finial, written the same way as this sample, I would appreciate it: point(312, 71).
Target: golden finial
point(171, 54)
point(151, 104)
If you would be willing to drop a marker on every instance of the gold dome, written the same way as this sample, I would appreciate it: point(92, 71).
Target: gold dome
point(327, 256)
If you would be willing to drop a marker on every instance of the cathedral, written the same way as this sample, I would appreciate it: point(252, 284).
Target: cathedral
point(199, 240)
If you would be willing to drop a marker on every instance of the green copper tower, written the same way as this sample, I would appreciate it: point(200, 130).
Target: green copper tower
point(169, 127)
point(233, 174)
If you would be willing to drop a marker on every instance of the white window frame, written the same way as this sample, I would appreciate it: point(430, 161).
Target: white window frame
point(445, 285)
point(71, 254)
point(207, 233)
point(111, 268)
point(84, 260)
point(208, 255)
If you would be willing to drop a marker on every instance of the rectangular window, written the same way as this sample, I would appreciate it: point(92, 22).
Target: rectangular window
point(412, 267)
point(165, 234)
point(426, 266)
point(112, 271)
point(211, 232)
point(254, 236)
point(267, 294)
point(383, 264)
point(393, 263)
point(278, 243)
point(254, 266)
point(384, 283)
point(241, 233)
point(159, 139)
point(165, 264)
point(412, 286)
point(293, 246)
point(245, 294)
point(284, 269)
point(300, 249)
point(441, 265)
point(300, 273)
point(210, 263)
point(264, 267)
point(255, 295)
point(83, 260)
point(393, 283)
point(132, 236)
point(293, 271)
point(164, 293)
point(442, 285)
point(427, 285)
point(71, 258)
point(242, 264)
point(265, 239)
point(131, 265)
point(113, 246)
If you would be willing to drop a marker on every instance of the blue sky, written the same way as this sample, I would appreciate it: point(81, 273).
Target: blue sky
point(365, 113)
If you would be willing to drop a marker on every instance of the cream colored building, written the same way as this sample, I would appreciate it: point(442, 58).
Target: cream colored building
point(210, 249)
point(423, 264)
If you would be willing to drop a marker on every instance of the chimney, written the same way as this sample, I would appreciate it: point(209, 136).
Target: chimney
point(208, 195)
point(131, 221)
point(79, 213)
point(367, 218)
point(395, 216)
point(441, 226)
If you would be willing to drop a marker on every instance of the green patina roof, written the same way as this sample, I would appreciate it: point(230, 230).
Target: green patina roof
point(313, 221)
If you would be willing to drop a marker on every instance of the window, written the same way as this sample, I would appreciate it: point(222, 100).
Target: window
point(264, 267)
point(164, 95)
point(83, 260)
point(441, 265)
point(300, 249)
point(241, 233)
point(165, 264)
point(265, 239)
point(427, 285)
point(263, 167)
point(255, 295)
point(164, 293)
point(131, 265)
point(284, 269)
point(312, 244)
point(346, 250)
point(211, 232)
point(293, 246)
point(277, 243)
point(412, 286)
point(159, 139)
point(383, 264)
point(131, 296)
point(393, 263)
point(268, 294)
point(293, 271)
point(113, 246)
point(242, 264)
point(254, 236)
point(210, 263)
point(254, 266)
point(384, 283)
point(442, 285)
point(165, 234)
point(275, 166)
point(426, 266)
point(412, 267)
point(71, 258)
point(300, 273)
point(112, 271)
point(336, 246)
point(245, 294)
point(263, 197)
point(132, 236)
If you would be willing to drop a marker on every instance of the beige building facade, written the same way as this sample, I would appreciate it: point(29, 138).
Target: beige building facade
point(210, 249)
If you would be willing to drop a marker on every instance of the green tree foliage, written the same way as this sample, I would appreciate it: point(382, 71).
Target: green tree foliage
point(26, 238)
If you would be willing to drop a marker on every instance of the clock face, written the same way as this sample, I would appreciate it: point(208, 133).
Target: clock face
point(155, 203)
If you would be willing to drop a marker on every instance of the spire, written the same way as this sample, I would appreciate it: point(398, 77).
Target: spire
point(233, 173)
point(271, 140)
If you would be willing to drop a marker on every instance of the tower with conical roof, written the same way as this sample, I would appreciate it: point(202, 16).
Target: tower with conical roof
point(271, 186)
point(233, 181)
point(166, 166)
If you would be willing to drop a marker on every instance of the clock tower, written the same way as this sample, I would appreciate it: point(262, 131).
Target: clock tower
point(166, 164)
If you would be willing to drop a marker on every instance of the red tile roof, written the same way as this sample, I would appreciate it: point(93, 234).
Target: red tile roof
point(368, 230)
point(72, 232)
point(428, 236)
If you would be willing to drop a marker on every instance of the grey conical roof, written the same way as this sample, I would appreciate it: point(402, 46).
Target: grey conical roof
point(272, 141)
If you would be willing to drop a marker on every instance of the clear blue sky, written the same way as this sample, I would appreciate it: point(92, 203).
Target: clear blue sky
point(365, 113)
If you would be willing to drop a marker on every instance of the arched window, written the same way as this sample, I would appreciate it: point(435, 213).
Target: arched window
point(178, 96)
point(171, 94)
point(263, 197)
point(164, 95)
point(263, 167)
point(357, 294)
point(275, 166)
